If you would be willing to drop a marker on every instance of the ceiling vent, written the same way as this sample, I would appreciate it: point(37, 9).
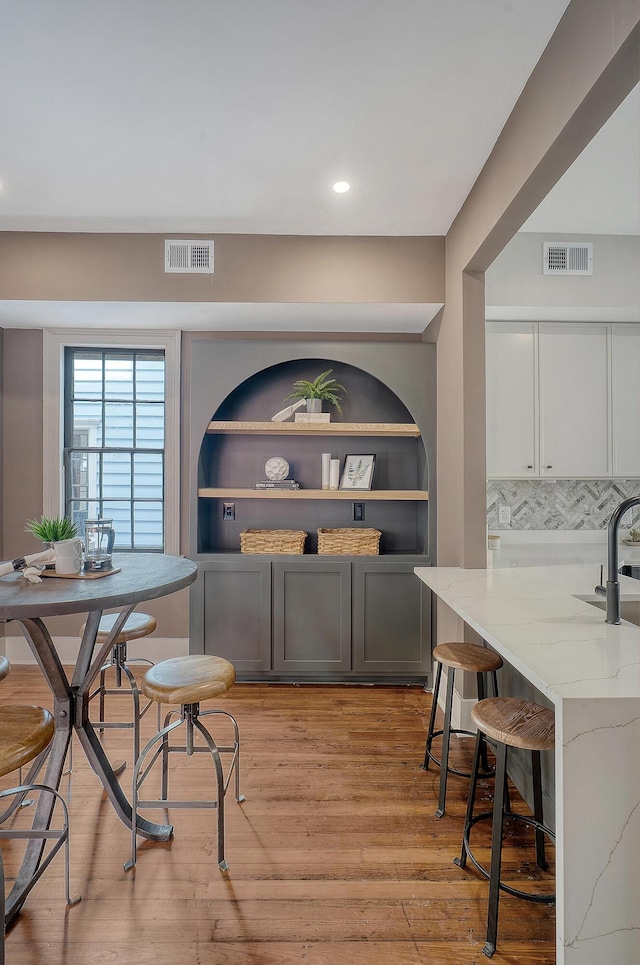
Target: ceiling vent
point(194, 257)
point(567, 258)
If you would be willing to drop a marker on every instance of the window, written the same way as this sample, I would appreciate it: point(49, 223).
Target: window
point(114, 435)
point(111, 416)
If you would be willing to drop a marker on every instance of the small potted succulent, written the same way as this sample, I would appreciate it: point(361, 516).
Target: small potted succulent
point(52, 529)
point(322, 388)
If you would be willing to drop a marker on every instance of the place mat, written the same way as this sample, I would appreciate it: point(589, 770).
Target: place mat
point(95, 575)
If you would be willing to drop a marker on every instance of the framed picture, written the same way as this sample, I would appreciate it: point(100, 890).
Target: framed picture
point(357, 472)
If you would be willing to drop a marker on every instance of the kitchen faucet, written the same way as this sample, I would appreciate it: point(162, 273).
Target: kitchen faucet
point(612, 589)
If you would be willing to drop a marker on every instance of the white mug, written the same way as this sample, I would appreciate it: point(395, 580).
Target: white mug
point(68, 556)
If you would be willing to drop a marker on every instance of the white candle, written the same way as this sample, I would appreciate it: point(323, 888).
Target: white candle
point(326, 460)
point(334, 473)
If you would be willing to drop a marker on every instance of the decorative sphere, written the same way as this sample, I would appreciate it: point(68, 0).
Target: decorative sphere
point(276, 468)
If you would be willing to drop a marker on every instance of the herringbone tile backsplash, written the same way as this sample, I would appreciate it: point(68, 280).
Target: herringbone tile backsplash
point(560, 503)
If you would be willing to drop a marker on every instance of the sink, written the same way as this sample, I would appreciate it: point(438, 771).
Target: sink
point(629, 609)
point(630, 569)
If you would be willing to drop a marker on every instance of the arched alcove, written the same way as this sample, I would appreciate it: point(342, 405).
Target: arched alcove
point(233, 461)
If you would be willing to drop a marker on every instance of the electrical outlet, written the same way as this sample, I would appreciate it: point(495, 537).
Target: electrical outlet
point(229, 511)
point(504, 515)
point(358, 512)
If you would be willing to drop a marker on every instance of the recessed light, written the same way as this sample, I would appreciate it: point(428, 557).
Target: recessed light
point(2, 186)
point(340, 187)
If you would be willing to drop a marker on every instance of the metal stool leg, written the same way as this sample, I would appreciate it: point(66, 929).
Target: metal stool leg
point(159, 746)
point(496, 849)
point(537, 809)
point(481, 696)
point(446, 737)
point(137, 781)
point(432, 716)
point(471, 799)
point(235, 760)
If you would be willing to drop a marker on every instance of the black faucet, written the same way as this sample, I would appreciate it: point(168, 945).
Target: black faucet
point(612, 589)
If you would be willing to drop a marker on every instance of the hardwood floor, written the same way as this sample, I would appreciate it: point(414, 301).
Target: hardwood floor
point(335, 858)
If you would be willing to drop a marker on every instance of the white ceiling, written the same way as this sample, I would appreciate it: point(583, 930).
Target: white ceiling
point(238, 115)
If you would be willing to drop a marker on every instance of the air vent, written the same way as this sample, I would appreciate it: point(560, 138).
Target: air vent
point(188, 256)
point(567, 258)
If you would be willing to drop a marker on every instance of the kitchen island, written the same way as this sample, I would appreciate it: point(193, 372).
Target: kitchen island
point(527, 606)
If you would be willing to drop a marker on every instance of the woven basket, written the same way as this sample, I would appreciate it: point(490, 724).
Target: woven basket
point(348, 542)
point(273, 541)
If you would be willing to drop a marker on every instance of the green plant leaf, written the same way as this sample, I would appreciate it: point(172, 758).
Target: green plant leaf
point(52, 529)
point(322, 387)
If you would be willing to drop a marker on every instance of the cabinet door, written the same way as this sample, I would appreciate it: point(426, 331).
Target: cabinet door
point(311, 616)
point(511, 367)
point(235, 603)
point(574, 400)
point(625, 392)
point(391, 619)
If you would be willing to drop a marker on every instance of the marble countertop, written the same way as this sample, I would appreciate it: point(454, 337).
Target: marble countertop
point(525, 605)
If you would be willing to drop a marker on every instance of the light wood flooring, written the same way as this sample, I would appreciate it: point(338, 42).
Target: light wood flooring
point(335, 858)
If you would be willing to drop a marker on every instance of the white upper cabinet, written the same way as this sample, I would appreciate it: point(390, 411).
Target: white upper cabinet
point(563, 400)
point(512, 375)
point(625, 399)
point(574, 400)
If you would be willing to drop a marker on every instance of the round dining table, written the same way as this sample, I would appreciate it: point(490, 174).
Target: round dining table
point(136, 577)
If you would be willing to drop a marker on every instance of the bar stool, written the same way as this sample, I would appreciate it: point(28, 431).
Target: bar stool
point(25, 735)
point(457, 656)
point(137, 625)
point(508, 722)
point(187, 681)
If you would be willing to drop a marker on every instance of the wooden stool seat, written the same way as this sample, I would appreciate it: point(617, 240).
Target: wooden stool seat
point(189, 679)
point(518, 723)
point(137, 625)
point(25, 731)
point(467, 656)
point(5, 667)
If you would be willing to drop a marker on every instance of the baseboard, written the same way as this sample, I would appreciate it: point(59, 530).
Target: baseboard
point(151, 648)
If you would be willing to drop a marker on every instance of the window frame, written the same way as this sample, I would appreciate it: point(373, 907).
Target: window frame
point(55, 341)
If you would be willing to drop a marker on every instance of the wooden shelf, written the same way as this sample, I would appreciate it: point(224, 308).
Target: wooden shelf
point(316, 428)
point(354, 494)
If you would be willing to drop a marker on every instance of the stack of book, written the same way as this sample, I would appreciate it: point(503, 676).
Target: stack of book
point(277, 484)
point(312, 417)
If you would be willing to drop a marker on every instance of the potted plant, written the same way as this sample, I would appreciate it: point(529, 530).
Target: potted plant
point(321, 388)
point(52, 529)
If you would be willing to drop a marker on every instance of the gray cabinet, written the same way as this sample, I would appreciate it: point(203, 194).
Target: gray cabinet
point(391, 619)
point(312, 616)
point(231, 612)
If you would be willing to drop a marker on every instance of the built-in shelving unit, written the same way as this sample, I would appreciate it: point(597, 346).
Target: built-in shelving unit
point(311, 616)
